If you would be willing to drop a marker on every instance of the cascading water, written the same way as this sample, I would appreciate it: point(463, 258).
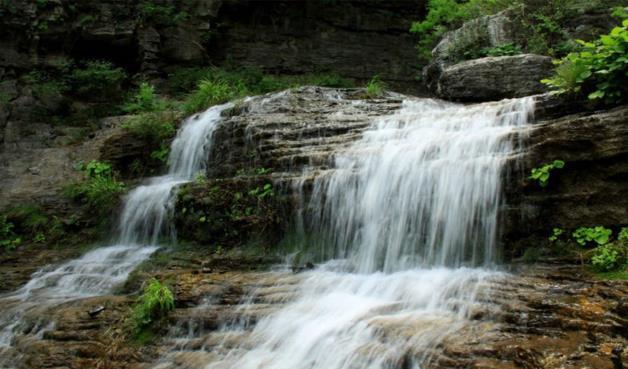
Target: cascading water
point(422, 188)
point(143, 221)
point(405, 218)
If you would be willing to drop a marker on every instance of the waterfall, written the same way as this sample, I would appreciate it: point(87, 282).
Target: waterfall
point(422, 188)
point(144, 219)
point(407, 221)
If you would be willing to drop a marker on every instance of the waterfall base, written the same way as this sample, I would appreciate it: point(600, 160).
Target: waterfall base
point(547, 317)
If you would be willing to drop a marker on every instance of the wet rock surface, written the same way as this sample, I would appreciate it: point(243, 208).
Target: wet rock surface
point(543, 316)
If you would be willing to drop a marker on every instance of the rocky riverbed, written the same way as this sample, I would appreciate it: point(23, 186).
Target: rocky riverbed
point(542, 316)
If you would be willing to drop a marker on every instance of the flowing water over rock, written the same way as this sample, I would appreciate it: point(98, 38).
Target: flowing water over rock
point(143, 221)
point(398, 216)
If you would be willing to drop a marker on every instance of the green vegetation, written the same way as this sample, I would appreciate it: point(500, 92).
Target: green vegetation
point(210, 93)
point(100, 190)
point(97, 80)
point(153, 127)
point(262, 192)
point(156, 129)
point(503, 50)
point(585, 235)
point(8, 239)
point(155, 12)
point(599, 70)
point(155, 302)
point(27, 223)
point(542, 173)
point(556, 232)
point(375, 87)
point(608, 257)
point(221, 85)
point(252, 80)
point(444, 15)
point(145, 101)
point(45, 85)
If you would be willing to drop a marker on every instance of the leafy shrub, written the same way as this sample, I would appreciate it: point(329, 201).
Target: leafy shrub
point(542, 173)
point(8, 239)
point(503, 50)
point(210, 92)
point(144, 101)
point(96, 169)
point(374, 87)
point(97, 79)
point(606, 258)
point(599, 70)
point(599, 235)
point(161, 153)
point(154, 303)
point(262, 192)
point(154, 127)
point(100, 191)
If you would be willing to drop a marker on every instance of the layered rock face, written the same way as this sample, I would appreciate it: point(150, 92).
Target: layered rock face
point(592, 188)
point(358, 39)
point(291, 137)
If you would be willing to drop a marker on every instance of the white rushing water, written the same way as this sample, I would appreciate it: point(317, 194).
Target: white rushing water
point(145, 218)
point(408, 224)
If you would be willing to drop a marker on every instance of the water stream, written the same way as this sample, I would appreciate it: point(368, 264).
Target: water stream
point(143, 222)
point(407, 226)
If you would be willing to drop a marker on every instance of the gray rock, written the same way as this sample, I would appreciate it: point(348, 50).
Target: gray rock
point(487, 31)
point(592, 188)
point(494, 78)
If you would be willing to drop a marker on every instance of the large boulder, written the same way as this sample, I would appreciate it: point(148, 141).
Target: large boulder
point(494, 78)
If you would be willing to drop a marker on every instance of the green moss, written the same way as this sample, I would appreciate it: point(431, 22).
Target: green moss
point(621, 275)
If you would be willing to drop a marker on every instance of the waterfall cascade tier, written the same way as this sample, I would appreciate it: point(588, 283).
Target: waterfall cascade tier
point(421, 188)
point(398, 213)
point(144, 219)
point(402, 198)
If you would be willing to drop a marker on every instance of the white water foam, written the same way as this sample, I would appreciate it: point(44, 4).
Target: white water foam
point(406, 208)
point(145, 218)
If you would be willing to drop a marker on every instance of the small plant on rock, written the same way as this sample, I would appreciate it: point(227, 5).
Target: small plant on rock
point(8, 239)
point(542, 173)
point(506, 49)
point(556, 232)
point(144, 101)
point(155, 302)
point(98, 80)
point(606, 258)
point(375, 87)
point(599, 235)
point(100, 191)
